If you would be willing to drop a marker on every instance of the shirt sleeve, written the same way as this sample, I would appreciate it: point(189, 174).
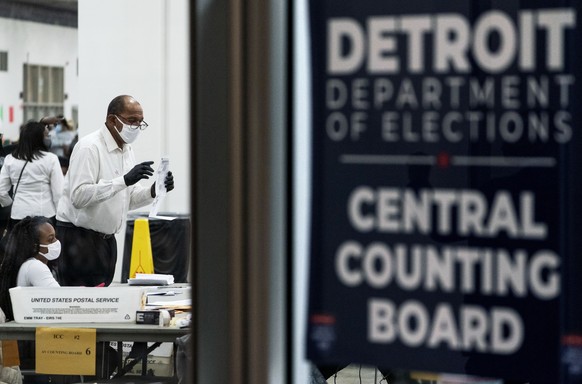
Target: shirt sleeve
point(140, 196)
point(5, 185)
point(57, 181)
point(41, 276)
point(86, 189)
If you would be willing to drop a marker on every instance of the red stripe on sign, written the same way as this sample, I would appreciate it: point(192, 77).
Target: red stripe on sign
point(572, 340)
point(11, 114)
point(322, 319)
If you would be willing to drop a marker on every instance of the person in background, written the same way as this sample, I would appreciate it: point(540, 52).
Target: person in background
point(5, 149)
point(32, 244)
point(101, 186)
point(62, 133)
point(72, 145)
point(9, 145)
point(41, 178)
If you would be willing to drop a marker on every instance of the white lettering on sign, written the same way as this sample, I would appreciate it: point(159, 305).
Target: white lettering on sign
point(452, 39)
point(450, 269)
point(427, 109)
point(499, 330)
point(464, 212)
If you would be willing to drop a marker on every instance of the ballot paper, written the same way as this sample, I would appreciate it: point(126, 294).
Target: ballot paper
point(161, 174)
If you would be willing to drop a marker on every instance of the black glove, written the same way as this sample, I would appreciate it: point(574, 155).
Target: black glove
point(169, 181)
point(140, 171)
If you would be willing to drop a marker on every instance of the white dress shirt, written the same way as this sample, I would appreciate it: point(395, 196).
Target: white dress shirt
point(40, 187)
point(35, 273)
point(95, 195)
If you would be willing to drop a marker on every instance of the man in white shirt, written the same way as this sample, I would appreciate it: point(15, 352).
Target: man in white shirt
point(100, 187)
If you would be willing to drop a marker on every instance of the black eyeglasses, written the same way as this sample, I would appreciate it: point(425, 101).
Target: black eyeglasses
point(133, 125)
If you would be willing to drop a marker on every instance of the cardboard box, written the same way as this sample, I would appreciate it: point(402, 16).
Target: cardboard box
point(116, 304)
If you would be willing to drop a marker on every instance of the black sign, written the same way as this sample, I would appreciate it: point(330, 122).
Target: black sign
point(446, 184)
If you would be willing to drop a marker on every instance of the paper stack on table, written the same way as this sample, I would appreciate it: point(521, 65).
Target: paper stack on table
point(176, 297)
point(151, 279)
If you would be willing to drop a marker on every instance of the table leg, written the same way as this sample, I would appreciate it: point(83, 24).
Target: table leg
point(119, 356)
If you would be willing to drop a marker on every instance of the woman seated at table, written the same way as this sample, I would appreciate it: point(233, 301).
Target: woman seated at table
point(31, 245)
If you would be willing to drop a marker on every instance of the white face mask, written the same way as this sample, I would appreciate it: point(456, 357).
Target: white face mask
point(127, 134)
point(54, 250)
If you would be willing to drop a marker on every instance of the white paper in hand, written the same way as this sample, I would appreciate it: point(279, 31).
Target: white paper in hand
point(161, 174)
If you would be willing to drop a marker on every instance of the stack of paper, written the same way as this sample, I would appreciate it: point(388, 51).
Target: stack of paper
point(151, 279)
point(176, 297)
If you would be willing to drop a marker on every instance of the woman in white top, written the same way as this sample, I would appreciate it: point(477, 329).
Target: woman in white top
point(41, 183)
point(32, 243)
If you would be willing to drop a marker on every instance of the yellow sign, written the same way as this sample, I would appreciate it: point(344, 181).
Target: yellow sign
point(141, 249)
point(65, 351)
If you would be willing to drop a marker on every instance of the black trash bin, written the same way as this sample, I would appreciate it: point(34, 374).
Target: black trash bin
point(170, 241)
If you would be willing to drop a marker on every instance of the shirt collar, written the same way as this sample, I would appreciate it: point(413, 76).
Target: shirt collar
point(109, 140)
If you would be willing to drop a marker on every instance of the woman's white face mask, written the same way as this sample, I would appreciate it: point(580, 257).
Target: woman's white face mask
point(54, 250)
point(128, 135)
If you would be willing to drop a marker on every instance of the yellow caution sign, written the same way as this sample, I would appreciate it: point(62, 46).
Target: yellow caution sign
point(142, 260)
